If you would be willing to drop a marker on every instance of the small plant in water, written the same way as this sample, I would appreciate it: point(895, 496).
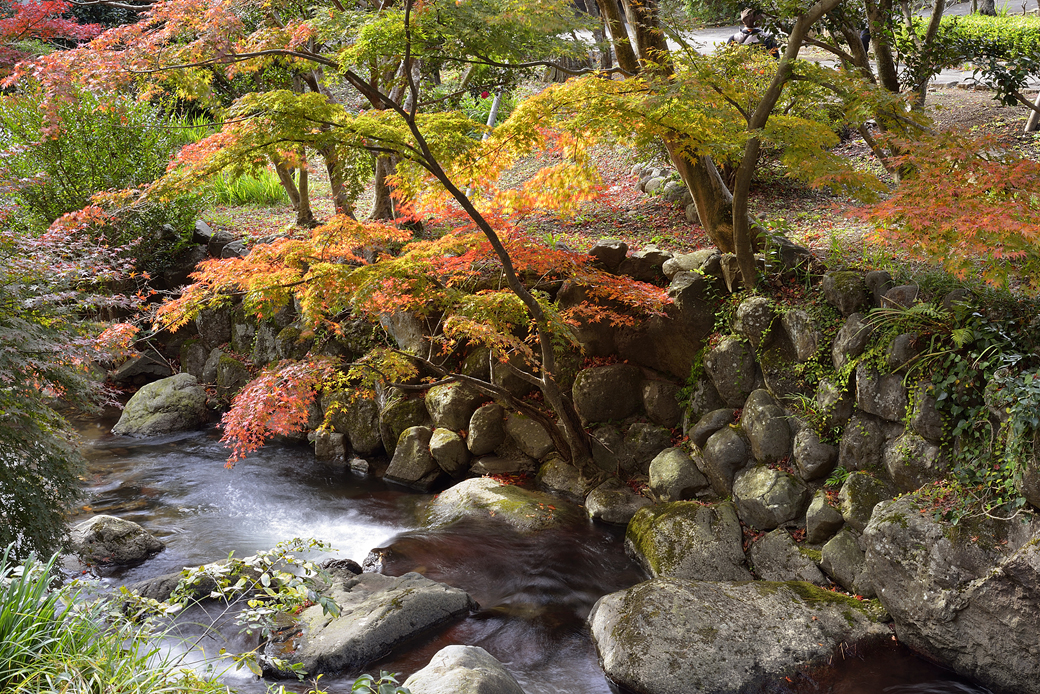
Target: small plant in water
point(386, 684)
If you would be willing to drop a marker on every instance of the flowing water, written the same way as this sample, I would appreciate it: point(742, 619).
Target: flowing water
point(535, 591)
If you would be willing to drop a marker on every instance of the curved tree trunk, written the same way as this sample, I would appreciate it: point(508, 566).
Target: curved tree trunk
point(384, 203)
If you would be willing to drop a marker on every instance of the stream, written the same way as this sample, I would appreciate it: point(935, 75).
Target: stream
point(535, 590)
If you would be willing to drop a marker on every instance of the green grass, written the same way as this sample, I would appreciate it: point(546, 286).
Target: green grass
point(262, 188)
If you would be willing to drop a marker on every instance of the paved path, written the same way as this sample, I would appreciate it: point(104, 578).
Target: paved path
point(706, 40)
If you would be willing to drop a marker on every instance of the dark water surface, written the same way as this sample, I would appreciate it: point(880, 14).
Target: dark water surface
point(535, 590)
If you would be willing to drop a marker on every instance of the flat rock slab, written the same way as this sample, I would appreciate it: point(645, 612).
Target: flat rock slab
point(377, 613)
point(672, 636)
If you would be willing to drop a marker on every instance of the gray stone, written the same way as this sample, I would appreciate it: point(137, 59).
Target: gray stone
point(359, 466)
point(608, 393)
point(219, 239)
point(486, 429)
point(730, 272)
point(703, 399)
point(673, 191)
point(687, 539)
point(483, 498)
point(912, 462)
point(692, 215)
point(193, 358)
point(792, 257)
point(821, 519)
point(359, 420)
point(235, 249)
point(293, 343)
point(846, 291)
point(813, 459)
point(397, 415)
point(176, 403)
point(449, 450)
point(775, 557)
point(614, 502)
point(609, 253)
point(902, 351)
point(595, 337)
point(377, 613)
point(754, 320)
point(687, 262)
point(469, 669)
point(232, 376)
point(862, 444)
point(530, 436)
point(766, 427)
point(560, 477)
point(505, 375)
point(209, 369)
point(903, 296)
point(202, 232)
point(330, 446)
point(607, 445)
point(845, 563)
point(858, 496)
point(654, 185)
point(107, 541)
point(214, 326)
point(145, 366)
point(884, 396)
point(878, 283)
point(661, 403)
point(709, 424)
point(243, 332)
point(265, 344)
point(767, 498)
point(645, 265)
point(955, 297)
point(413, 465)
point(407, 329)
point(477, 364)
point(731, 367)
point(641, 445)
point(451, 405)
point(851, 340)
point(926, 419)
point(671, 636)
point(802, 333)
point(835, 404)
point(724, 454)
point(966, 596)
point(674, 476)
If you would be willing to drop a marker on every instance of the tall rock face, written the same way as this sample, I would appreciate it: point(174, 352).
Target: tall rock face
point(967, 595)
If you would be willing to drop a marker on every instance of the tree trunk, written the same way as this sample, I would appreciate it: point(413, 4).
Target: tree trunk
point(711, 196)
point(344, 205)
point(304, 214)
point(285, 175)
point(384, 204)
point(879, 21)
point(988, 8)
point(626, 58)
point(938, 7)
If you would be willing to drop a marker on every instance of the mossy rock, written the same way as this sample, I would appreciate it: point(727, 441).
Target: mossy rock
point(486, 498)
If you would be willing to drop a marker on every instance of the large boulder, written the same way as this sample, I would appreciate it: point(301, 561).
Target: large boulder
point(486, 429)
point(458, 669)
point(451, 405)
point(911, 462)
point(397, 415)
point(674, 476)
point(843, 560)
point(767, 498)
point(176, 403)
point(851, 340)
point(754, 320)
point(689, 540)
point(821, 519)
point(614, 502)
point(529, 436)
point(359, 420)
point(449, 450)
point(881, 395)
point(484, 498)
point(709, 424)
point(731, 367)
point(641, 445)
point(846, 291)
point(766, 427)
point(724, 453)
point(860, 493)
point(377, 613)
point(107, 541)
point(862, 444)
point(776, 557)
point(813, 458)
point(413, 464)
point(803, 334)
point(674, 636)
point(967, 595)
point(661, 403)
point(557, 476)
point(607, 393)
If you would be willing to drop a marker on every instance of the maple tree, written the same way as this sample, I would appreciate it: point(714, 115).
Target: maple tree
point(23, 22)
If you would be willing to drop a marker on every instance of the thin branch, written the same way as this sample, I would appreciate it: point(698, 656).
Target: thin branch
point(237, 58)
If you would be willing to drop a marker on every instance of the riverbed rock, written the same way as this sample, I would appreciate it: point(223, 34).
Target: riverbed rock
point(177, 403)
point(413, 465)
point(775, 557)
point(377, 613)
point(766, 427)
point(674, 476)
point(146, 366)
point(560, 477)
point(614, 502)
point(860, 493)
point(844, 561)
point(821, 519)
point(731, 367)
point(666, 636)
point(397, 415)
point(484, 498)
point(193, 355)
point(967, 595)
point(709, 424)
point(608, 393)
point(486, 429)
point(107, 541)
point(767, 498)
point(232, 376)
point(641, 445)
point(330, 446)
point(724, 454)
point(813, 459)
point(359, 420)
point(458, 669)
point(449, 450)
point(451, 405)
point(529, 436)
point(687, 539)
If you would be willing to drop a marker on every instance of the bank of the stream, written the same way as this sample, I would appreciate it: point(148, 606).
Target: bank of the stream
point(535, 590)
